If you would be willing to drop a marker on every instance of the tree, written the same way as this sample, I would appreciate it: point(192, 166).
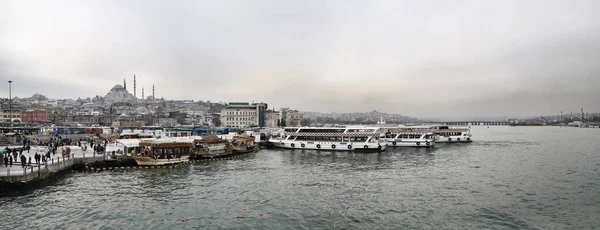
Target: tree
point(278, 123)
point(305, 122)
point(216, 121)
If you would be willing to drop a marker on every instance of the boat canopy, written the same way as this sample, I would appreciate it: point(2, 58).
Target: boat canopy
point(166, 143)
point(212, 139)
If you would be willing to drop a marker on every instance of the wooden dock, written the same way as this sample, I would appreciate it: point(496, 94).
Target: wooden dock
point(19, 174)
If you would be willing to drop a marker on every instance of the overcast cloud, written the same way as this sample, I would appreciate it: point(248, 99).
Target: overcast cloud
point(421, 58)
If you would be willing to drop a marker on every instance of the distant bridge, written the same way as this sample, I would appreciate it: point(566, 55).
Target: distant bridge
point(469, 123)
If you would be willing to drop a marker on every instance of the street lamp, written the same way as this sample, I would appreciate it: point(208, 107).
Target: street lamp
point(10, 102)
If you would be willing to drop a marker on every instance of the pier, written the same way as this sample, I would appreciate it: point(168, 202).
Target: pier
point(57, 163)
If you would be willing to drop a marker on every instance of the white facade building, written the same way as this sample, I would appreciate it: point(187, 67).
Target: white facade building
point(239, 115)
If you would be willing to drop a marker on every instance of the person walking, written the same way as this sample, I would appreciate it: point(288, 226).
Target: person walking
point(5, 161)
point(10, 160)
point(29, 161)
point(23, 160)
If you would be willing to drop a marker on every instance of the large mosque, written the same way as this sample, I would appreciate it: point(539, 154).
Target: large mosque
point(123, 102)
point(118, 94)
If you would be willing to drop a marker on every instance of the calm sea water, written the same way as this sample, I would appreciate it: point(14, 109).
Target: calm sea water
point(510, 178)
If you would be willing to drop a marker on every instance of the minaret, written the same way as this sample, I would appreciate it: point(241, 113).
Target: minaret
point(143, 94)
point(153, 98)
point(134, 89)
point(124, 84)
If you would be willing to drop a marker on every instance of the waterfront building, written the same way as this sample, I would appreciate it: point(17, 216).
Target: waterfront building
point(14, 112)
point(242, 114)
point(260, 109)
point(283, 116)
point(271, 118)
point(166, 122)
point(293, 117)
point(36, 115)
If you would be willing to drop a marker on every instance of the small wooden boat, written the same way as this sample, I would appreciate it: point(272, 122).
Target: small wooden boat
point(210, 147)
point(158, 152)
point(243, 144)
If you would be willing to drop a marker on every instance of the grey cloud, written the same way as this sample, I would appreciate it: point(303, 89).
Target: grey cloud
point(426, 58)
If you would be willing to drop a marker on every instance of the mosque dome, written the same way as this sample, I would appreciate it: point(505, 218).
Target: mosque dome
point(118, 94)
point(142, 110)
point(117, 88)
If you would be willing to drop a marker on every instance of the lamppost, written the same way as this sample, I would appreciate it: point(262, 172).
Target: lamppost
point(10, 102)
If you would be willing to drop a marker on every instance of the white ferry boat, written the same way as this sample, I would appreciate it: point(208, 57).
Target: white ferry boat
point(134, 136)
point(158, 152)
point(446, 134)
point(407, 137)
point(331, 138)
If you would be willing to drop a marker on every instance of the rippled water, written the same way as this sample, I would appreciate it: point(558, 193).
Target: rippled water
point(510, 178)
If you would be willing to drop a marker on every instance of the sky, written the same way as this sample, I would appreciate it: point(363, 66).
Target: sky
point(446, 58)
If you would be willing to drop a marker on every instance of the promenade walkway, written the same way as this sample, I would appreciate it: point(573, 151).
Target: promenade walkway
point(55, 164)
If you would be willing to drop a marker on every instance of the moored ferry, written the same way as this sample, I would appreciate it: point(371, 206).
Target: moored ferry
point(158, 152)
point(447, 134)
point(407, 137)
point(334, 138)
point(210, 147)
point(243, 144)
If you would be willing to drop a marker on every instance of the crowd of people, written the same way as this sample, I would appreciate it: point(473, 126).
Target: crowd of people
point(16, 156)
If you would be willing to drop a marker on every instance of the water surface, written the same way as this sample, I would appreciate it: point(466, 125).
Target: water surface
point(509, 178)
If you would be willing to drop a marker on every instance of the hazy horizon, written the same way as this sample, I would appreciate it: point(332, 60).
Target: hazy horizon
point(423, 59)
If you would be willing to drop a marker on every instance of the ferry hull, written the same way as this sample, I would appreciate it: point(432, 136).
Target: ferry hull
point(455, 139)
point(148, 161)
point(329, 146)
point(233, 153)
point(243, 151)
point(410, 143)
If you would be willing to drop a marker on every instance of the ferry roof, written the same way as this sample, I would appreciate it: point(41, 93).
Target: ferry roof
point(345, 127)
point(411, 133)
point(129, 143)
point(355, 134)
point(408, 130)
point(450, 130)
